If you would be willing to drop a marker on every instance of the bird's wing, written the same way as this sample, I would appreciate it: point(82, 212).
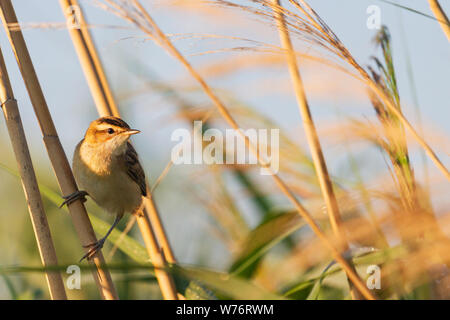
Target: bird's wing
point(134, 168)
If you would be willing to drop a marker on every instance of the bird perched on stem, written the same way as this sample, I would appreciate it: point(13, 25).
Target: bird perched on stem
point(106, 167)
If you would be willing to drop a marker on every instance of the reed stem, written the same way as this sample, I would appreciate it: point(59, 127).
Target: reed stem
point(441, 17)
point(312, 136)
point(55, 150)
point(345, 55)
point(30, 186)
point(106, 106)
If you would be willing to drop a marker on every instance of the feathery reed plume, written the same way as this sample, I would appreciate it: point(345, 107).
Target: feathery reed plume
point(312, 137)
point(441, 17)
point(338, 47)
point(30, 185)
point(106, 106)
point(90, 62)
point(137, 15)
point(55, 150)
point(312, 29)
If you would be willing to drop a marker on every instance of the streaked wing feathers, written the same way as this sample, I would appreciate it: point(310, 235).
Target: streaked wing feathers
point(134, 168)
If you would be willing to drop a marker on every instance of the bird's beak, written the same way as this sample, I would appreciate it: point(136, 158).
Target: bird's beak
point(130, 132)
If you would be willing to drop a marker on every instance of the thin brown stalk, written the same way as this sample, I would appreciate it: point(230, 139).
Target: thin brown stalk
point(55, 150)
point(441, 17)
point(431, 154)
point(30, 185)
point(158, 259)
point(312, 137)
point(155, 32)
point(151, 210)
point(170, 163)
point(106, 106)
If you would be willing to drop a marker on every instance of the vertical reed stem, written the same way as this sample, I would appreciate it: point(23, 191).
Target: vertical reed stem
point(158, 260)
point(30, 185)
point(89, 60)
point(55, 150)
point(106, 106)
point(312, 137)
point(441, 16)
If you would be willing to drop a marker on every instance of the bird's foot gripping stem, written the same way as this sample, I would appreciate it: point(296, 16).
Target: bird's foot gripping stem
point(77, 195)
point(94, 248)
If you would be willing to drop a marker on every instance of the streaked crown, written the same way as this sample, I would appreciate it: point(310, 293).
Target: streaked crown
point(107, 128)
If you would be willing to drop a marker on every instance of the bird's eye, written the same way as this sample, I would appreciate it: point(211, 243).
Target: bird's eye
point(110, 130)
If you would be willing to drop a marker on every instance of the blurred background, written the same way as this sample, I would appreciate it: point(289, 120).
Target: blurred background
point(210, 211)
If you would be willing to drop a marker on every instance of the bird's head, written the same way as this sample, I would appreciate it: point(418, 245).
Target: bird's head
point(111, 133)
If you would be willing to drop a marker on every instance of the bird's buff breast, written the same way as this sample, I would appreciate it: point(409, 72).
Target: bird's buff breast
point(106, 182)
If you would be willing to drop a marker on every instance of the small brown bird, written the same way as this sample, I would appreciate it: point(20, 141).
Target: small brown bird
point(106, 167)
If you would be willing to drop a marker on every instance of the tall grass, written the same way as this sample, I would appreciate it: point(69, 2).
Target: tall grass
point(148, 25)
point(29, 183)
point(362, 212)
point(441, 17)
